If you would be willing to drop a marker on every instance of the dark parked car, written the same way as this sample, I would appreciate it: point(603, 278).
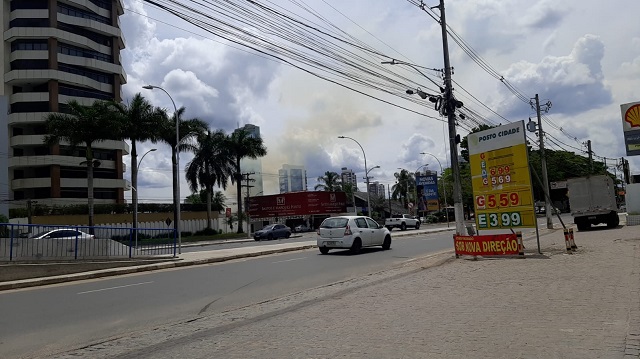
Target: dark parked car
point(272, 231)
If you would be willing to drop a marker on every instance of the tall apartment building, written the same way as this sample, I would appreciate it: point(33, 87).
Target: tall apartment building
point(349, 177)
point(377, 188)
point(292, 178)
point(54, 52)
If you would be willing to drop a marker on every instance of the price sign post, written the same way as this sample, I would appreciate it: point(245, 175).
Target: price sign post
point(501, 179)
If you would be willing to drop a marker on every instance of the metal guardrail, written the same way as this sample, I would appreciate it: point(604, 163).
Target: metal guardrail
point(24, 242)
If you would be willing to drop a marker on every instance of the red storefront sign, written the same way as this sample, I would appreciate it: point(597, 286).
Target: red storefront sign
point(228, 212)
point(489, 245)
point(297, 204)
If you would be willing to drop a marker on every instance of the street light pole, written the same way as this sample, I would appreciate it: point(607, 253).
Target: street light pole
point(176, 200)
point(444, 187)
point(367, 174)
point(135, 203)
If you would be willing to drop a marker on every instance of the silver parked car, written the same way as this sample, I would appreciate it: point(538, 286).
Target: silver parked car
point(353, 233)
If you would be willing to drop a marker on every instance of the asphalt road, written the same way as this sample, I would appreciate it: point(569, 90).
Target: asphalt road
point(37, 322)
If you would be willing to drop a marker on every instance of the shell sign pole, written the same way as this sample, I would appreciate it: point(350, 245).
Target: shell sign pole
point(501, 179)
point(631, 127)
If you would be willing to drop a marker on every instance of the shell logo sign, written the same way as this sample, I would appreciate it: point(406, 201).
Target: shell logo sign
point(631, 127)
point(632, 115)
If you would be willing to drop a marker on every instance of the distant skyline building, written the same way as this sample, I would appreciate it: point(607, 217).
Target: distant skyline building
point(54, 52)
point(248, 165)
point(348, 176)
point(292, 178)
point(377, 189)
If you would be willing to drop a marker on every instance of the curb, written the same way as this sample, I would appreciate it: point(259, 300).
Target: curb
point(174, 263)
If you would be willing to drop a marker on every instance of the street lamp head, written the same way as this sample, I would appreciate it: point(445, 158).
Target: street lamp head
point(153, 149)
point(340, 136)
point(410, 92)
point(147, 87)
point(375, 167)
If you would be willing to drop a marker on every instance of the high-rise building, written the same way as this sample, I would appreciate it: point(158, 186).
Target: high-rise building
point(349, 177)
point(292, 178)
point(377, 188)
point(54, 52)
point(248, 165)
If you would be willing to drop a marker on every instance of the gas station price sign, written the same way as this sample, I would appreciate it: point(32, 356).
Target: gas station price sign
point(500, 177)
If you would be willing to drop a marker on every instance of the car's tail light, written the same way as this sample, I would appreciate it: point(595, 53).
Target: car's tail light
point(347, 231)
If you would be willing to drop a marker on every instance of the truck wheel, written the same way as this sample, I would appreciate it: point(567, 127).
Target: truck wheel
point(613, 220)
point(403, 227)
point(582, 224)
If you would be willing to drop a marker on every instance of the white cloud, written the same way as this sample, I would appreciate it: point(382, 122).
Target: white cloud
point(564, 52)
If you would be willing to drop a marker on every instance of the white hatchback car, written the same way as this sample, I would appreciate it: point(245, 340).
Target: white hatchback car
point(352, 232)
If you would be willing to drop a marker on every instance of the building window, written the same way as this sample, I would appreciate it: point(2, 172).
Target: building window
point(84, 92)
point(95, 37)
point(22, 107)
point(29, 23)
point(102, 4)
point(29, 64)
point(71, 50)
point(75, 12)
point(44, 192)
point(29, 4)
point(29, 45)
point(94, 75)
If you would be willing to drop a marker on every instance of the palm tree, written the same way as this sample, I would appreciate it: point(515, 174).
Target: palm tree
point(187, 129)
point(212, 165)
point(329, 182)
point(349, 189)
point(141, 122)
point(403, 187)
point(243, 145)
point(84, 125)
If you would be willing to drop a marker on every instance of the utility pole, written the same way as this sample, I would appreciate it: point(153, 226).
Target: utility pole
point(545, 177)
point(590, 157)
point(449, 106)
point(247, 177)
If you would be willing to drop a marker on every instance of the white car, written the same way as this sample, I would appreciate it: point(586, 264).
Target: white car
point(353, 233)
point(62, 234)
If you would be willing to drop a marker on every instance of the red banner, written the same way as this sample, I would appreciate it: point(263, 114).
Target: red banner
point(297, 204)
point(489, 245)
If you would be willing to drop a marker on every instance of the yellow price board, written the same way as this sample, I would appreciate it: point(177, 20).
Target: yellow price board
point(501, 179)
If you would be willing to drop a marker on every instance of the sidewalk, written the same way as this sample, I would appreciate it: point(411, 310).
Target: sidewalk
point(192, 258)
point(554, 305)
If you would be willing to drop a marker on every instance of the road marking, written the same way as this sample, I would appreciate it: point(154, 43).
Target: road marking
point(289, 260)
point(118, 287)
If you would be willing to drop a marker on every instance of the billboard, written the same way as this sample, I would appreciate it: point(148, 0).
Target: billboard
point(427, 190)
point(297, 204)
point(501, 179)
point(631, 127)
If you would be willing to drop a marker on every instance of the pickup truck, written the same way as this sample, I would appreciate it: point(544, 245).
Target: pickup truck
point(401, 221)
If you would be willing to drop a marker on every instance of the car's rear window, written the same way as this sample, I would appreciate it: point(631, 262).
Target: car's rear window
point(335, 223)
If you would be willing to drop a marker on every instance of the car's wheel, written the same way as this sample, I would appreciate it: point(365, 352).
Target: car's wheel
point(356, 246)
point(257, 239)
point(287, 235)
point(387, 243)
point(403, 227)
point(270, 237)
point(418, 225)
point(324, 250)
